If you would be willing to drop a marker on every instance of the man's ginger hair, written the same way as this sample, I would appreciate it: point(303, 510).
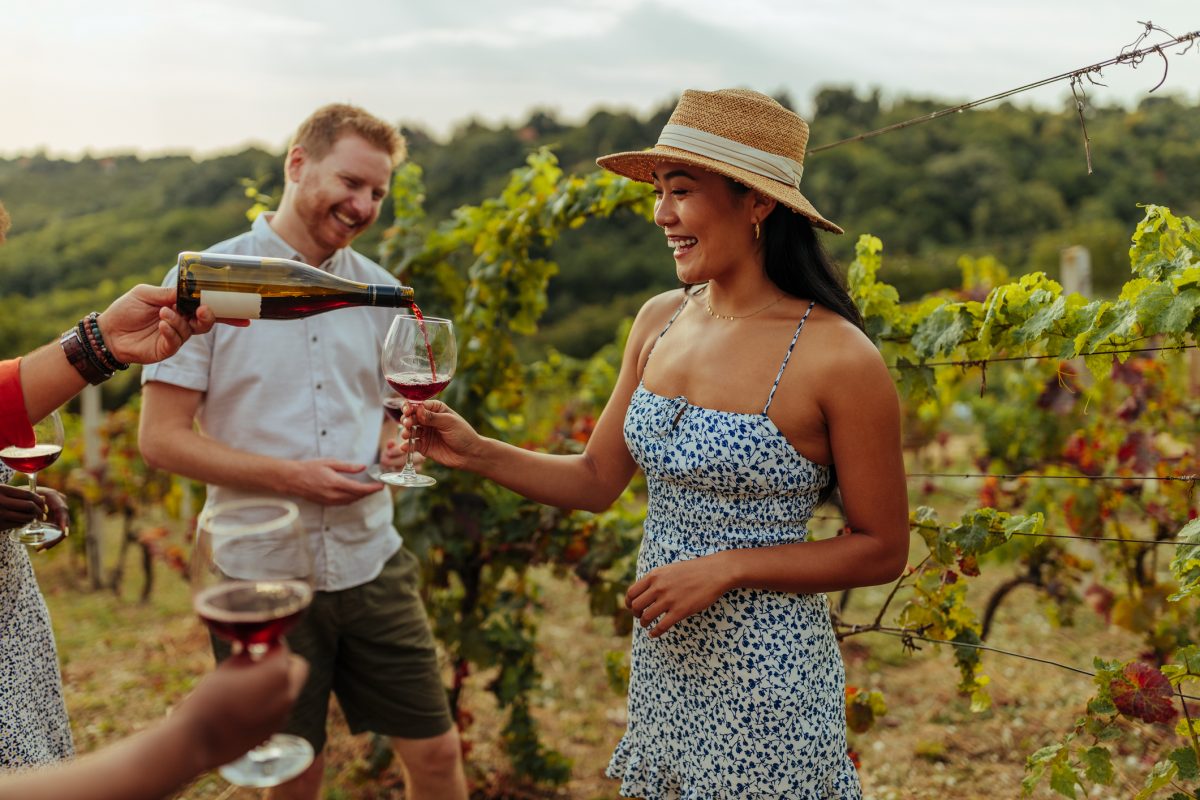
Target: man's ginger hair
point(327, 124)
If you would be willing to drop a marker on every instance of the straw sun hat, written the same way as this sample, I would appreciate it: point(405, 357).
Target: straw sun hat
point(737, 133)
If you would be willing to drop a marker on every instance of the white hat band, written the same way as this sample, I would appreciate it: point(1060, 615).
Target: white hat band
point(760, 162)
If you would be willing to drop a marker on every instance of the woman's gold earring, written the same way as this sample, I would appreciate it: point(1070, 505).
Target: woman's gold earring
point(757, 232)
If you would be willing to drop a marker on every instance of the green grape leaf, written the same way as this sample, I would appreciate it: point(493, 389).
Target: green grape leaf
point(1098, 766)
point(1188, 727)
point(1064, 779)
point(1186, 666)
point(1179, 314)
point(1185, 760)
point(1034, 328)
point(943, 330)
point(1185, 566)
point(1160, 776)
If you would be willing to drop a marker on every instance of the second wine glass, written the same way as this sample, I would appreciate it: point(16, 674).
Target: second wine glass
point(252, 580)
point(47, 447)
point(418, 360)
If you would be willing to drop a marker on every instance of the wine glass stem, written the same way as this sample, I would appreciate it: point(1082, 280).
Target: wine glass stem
point(32, 481)
point(412, 441)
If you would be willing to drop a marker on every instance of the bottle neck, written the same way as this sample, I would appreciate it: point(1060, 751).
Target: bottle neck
point(391, 296)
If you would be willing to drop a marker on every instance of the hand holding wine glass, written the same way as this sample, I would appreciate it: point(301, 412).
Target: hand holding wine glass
point(446, 437)
point(418, 361)
point(47, 447)
point(252, 579)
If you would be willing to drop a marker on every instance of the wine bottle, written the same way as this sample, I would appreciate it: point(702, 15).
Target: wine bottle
point(252, 287)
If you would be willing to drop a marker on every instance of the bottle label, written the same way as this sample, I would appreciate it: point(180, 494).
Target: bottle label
point(232, 305)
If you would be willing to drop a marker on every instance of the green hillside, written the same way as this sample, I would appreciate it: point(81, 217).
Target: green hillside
point(1007, 181)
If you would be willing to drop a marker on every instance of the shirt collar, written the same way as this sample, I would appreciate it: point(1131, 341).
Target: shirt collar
point(269, 243)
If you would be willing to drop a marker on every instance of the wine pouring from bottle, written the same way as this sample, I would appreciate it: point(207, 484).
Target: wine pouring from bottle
point(252, 287)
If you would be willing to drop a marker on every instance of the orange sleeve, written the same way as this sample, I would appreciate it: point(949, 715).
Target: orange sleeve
point(14, 422)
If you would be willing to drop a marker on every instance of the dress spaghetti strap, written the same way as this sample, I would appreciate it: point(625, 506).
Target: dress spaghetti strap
point(782, 366)
point(663, 332)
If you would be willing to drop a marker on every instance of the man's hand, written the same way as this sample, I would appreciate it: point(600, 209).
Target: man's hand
point(326, 481)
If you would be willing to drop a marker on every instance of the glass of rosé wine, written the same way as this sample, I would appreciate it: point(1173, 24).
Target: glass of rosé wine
point(419, 355)
point(252, 580)
point(47, 447)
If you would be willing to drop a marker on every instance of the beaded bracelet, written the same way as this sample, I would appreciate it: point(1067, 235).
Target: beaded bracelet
point(89, 347)
point(97, 340)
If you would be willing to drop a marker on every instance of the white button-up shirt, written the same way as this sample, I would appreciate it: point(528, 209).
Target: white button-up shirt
point(300, 389)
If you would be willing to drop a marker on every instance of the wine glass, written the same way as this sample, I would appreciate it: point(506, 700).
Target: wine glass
point(252, 579)
point(393, 406)
point(418, 361)
point(48, 438)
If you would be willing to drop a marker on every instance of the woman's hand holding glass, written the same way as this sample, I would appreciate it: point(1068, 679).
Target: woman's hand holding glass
point(445, 436)
point(252, 580)
point(47, 447)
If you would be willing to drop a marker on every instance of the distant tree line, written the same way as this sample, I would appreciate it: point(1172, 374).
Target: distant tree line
point(1008, 181)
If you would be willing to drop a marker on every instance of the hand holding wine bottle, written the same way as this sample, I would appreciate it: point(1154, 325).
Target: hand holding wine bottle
point(129, 324)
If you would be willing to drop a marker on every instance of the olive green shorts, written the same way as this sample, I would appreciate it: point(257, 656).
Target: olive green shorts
point(371, 646)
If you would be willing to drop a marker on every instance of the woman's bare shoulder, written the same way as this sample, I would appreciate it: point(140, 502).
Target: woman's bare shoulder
point(655, 312)
point(841, 347)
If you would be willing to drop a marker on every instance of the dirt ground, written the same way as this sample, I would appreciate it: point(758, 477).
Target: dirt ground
point(124, 664)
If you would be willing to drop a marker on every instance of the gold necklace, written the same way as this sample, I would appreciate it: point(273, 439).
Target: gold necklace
point(708, 307)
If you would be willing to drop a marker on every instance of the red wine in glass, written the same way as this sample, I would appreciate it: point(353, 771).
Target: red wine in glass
point(416, 387)
point(418, 360)
point(254, 614)
point(48, 445)
point(30, 459)
point(252, 575)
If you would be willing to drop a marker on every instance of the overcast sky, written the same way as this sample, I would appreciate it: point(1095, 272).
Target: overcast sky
point(208, 76)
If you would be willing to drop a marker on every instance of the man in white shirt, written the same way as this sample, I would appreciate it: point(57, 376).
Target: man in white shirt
point(294, 408)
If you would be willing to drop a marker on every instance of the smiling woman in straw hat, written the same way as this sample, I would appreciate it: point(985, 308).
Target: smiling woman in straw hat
point(738, 397)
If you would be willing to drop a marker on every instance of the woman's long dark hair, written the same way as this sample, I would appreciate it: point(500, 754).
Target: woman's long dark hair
point(796, 262)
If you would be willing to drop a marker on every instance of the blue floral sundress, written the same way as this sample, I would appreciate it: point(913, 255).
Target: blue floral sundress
point(745, 699)
point(34, 729)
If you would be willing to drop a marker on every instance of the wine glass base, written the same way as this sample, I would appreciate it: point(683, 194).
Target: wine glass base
point(413, 480)
point(36, 535)
point(278, 760)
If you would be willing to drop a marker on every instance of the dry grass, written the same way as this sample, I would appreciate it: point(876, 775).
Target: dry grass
point(124, 664)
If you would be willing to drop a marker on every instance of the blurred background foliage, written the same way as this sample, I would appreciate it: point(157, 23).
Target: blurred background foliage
point(1008, 181)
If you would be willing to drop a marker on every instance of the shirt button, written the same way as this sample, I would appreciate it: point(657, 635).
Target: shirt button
point(322, 433)
point(314, 338)
point(318, 386)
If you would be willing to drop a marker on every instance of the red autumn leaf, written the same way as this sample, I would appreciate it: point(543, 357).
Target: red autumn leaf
point(1143, 692)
